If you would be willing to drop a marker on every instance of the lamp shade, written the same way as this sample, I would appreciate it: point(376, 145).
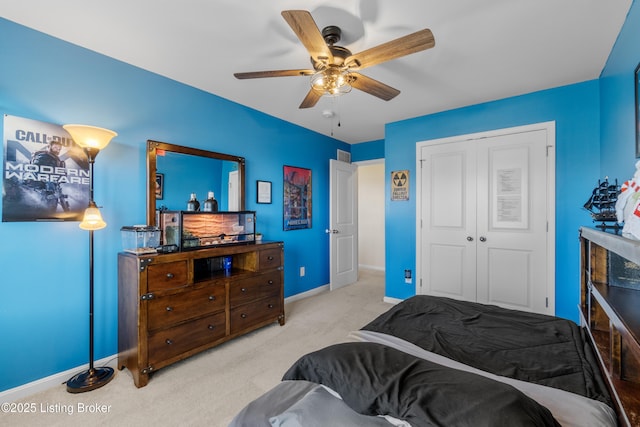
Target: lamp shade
point(92, 219)
point(90, 136)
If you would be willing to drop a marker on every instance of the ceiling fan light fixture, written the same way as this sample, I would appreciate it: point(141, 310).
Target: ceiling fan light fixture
point(332, 81)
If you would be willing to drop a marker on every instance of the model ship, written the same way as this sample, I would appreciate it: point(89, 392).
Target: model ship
point(602, 205)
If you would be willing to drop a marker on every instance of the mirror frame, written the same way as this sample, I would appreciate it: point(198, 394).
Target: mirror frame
point(153, 146)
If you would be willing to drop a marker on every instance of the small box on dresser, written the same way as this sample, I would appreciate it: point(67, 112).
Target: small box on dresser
point(171, 306)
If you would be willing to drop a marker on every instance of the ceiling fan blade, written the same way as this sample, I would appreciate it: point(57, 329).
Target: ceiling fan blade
point(412, 43)
point(273, 73)
point(311, 99)
point(373, 87)
point(302, 23)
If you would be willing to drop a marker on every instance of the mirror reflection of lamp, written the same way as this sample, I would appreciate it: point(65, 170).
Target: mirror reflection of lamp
point(91, 139)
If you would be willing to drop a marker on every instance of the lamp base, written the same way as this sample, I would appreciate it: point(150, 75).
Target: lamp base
point(89, 380)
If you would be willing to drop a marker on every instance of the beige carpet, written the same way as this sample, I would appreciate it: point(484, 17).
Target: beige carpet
point(210, 388)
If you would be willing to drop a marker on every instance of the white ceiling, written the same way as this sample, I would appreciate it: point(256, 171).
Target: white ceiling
point(485, 50)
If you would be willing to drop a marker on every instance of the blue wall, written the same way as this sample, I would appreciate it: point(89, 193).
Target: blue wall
point(367, 151)
point(618, 101)
point(43, 308)
point(575, 109)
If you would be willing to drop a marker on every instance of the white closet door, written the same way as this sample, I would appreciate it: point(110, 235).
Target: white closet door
point(449, 223)
point(512, 221)
point(483, 220)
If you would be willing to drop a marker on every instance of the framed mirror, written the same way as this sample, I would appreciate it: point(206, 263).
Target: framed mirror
point(174, 172)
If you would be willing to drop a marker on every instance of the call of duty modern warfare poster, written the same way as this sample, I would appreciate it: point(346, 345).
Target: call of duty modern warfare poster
point(46, 175)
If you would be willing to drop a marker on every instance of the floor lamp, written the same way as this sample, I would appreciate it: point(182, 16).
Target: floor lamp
point(91, 139)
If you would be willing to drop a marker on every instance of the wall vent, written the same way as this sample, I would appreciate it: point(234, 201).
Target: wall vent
point(344, 156)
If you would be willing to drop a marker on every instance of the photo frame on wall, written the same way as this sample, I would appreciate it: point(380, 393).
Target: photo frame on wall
point(297, 198)
point(636, 76)
point(263, 192)
point(159, 186)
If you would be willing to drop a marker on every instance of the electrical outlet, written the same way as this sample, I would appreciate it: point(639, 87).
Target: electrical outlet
point(407, 276)
point(302, 271)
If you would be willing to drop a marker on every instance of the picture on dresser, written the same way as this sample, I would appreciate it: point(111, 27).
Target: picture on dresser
point(297, 198)
point(46, 175)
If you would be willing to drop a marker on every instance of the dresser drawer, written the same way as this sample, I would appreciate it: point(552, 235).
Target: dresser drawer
point(169, 310)
point(167, 275)
point(247, 315)
point(253, 288)
point(169, 343)
point(270, 258)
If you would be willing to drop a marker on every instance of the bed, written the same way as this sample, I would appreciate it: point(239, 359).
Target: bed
point(433, 361)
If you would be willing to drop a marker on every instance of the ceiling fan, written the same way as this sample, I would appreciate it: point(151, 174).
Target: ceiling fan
point(335, 68)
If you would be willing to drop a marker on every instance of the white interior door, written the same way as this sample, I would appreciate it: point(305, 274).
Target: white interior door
point(343, 229)
point(485, 204)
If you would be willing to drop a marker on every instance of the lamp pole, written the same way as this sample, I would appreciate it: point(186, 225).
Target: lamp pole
point(93, 377)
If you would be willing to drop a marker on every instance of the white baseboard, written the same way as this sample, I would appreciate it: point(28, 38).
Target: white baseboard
point(310, 293)
point(51, 381)
point(392, 300)
point(371, 267)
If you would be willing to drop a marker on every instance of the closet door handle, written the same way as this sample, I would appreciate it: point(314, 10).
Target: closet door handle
point(469, 239)
point(483, 239)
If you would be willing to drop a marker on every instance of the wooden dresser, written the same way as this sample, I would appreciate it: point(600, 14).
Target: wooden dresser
point(171, 306)
point(610, 309)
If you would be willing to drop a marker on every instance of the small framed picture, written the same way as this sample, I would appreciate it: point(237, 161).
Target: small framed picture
point(263, 192)
point(159, 186)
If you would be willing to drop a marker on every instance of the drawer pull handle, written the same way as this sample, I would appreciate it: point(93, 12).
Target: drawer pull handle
point(270, 306)
point(169, 275)
point(270, 258)
point(244, 316)
point(168, 341)
point(243, 289)
point(211, 327)
point(212, 297)
point(271, 282)
point(169, 308)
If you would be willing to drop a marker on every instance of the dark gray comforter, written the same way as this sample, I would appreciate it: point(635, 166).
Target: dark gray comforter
point(397, 379)
point(374, 379)
point(531, 347)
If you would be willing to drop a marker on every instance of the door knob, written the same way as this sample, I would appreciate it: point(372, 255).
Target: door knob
point(483, 239)
point(331, 231)
point(469, 239)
